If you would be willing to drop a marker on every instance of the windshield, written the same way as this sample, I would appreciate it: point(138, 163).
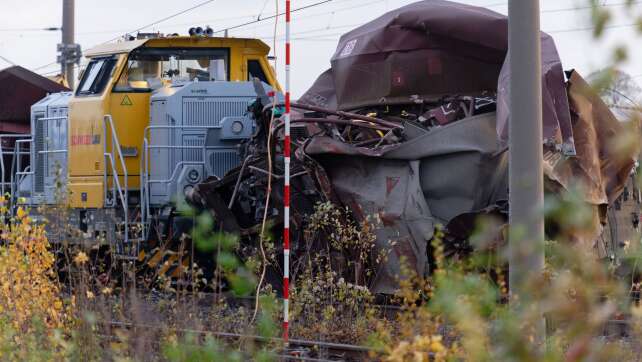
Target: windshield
point(96, 76)
point(149, 68)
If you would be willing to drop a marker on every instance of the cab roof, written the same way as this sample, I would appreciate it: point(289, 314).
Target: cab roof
point(176, 41)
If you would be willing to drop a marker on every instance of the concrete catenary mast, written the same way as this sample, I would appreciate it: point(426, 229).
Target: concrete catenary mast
point(69, 52)
point(526, 184)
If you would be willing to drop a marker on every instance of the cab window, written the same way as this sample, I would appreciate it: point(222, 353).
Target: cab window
point(254, 70)
point(150, 68)
point(96, 76)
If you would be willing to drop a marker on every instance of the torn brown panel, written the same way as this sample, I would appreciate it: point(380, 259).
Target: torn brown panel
point(613, 165)
point(598, 167)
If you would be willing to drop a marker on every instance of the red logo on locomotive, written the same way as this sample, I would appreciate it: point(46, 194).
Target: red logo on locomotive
point(86, 139)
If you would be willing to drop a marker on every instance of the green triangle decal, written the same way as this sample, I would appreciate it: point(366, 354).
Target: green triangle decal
point(126, 101)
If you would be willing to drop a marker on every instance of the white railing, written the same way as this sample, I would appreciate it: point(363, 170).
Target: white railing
point(117, 188)
point(146, 181)
point(4, 184)
point(17, 173)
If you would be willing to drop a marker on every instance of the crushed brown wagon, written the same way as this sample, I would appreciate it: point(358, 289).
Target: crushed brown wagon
point(409, 128)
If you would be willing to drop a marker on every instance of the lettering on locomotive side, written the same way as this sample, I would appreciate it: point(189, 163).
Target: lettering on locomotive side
point(86, 139)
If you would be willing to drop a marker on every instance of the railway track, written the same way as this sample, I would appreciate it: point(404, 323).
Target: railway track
point(616, 329)
point(295, 350)
point(153, 324)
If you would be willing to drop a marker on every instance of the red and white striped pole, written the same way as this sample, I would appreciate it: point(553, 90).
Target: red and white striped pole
point(286, 189)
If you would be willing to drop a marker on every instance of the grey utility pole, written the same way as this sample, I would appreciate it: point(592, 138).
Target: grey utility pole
point(69, 51)
point(526, 238)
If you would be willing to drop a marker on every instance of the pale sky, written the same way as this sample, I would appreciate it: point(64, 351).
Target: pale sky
point(315, 31)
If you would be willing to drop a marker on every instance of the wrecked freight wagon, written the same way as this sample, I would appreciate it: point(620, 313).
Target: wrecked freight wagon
point(409, 126)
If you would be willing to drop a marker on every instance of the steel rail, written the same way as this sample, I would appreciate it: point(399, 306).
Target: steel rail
point(295, 342)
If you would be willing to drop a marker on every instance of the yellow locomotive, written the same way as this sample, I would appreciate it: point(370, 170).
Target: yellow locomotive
point(150, 118)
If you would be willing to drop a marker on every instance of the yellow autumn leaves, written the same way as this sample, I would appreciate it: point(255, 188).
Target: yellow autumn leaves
point(28, 286)
point(420, 349)
point(81, 258)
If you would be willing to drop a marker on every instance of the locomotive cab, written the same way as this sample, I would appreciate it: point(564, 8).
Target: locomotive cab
point(114, 96)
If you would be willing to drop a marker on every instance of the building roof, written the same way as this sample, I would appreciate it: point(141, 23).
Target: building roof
point(19, 89)
point(28, 76)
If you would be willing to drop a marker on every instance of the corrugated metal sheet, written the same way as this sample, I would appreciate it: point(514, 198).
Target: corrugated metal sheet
point(223, 161)
point(193, 140)
point(39, 143)
point(209, 111)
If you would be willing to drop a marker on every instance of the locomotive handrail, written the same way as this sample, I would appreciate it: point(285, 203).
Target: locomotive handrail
point(123, 199)
point(18, 173)
point(179, 127)
point(51, 151)
point(50, 118)
point(188, 147)
point(115, 146)
point(144, 166)
point(144, 210)
point(3, 153)
point(175, 171)
point(19, 177)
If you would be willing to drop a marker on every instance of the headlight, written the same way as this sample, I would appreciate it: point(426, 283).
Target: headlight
point(237, 127)
point(192, 175)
